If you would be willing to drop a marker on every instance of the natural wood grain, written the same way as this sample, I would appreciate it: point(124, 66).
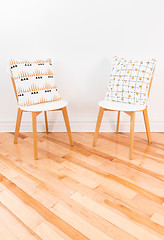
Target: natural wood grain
point(78, 223)
point(158, 218)
point(16, 226)
point(118, 122)
point(46, 121)
point(34, 126)
point(46, 232)
point(67, 124)
point(98, 124)
point(132, 123)
point(19, 117)
point(81, 192)
point(114, 217)
point(5, 233)
point(147, 125)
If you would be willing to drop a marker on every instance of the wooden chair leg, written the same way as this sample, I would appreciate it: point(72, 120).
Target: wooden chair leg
point(34, 135)
point(98, 124)
point(46, 122)
point(132, 123)
point(17, 127)
point(66, 119)
point(118, 121)
point(147, 126)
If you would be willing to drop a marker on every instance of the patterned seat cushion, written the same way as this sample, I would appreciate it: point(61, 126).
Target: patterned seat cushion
point(129, 81)
point(34, 81)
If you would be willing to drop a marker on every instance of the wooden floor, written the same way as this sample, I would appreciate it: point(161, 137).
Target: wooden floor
point(81, 192)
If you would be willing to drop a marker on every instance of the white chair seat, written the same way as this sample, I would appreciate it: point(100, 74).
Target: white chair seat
point(48, 106)
point(118, 106)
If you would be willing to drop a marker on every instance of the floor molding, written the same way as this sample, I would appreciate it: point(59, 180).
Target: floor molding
point(81, 126)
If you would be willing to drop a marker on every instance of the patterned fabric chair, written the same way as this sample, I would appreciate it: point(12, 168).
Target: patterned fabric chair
point(128, 91)
point(36, 92)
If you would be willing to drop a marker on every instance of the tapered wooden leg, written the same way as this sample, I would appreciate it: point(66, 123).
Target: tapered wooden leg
point(17, 127)
point(118, 121)
point(66, 119)
point(34, 135)
point(46, 122)
point(98, 124)
point(146, 120)
point(132, 123)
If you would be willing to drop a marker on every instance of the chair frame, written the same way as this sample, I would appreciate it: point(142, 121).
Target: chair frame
point(132, 124)
point(34, 123)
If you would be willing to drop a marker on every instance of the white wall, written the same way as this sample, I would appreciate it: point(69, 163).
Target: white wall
point(82, 37)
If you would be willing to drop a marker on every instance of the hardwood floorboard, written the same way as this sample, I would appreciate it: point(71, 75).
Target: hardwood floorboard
point(81, 192)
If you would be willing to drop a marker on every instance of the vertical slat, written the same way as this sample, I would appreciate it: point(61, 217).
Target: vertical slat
point(13, 82)
point(98, 124)
point(132, 123)
point(17, 127)
point(66, 119)
point(35, 135)
point(46, 122)
point(118, 121)
point(147, 125)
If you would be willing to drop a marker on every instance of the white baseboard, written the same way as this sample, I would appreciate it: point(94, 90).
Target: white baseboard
point(81, 126)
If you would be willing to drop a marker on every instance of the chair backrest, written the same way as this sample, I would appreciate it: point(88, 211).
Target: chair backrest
point(130, 81)
point(150, 86)
point(33, 81)
point(14, 86)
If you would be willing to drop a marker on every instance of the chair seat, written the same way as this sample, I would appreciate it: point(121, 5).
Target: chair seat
point(118, 106)
point(48, 106)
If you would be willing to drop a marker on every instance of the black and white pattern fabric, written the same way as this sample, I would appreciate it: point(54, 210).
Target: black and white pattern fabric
point(129, 81)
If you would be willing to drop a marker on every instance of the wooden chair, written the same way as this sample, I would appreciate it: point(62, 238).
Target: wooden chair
point(36, 109)
point(130, 110)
